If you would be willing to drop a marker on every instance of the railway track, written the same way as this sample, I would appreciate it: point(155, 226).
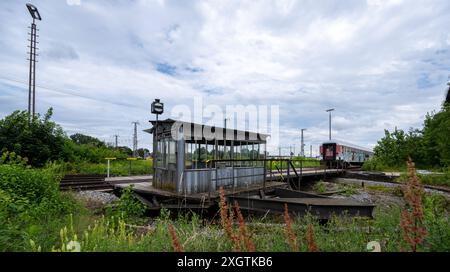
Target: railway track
point(391, 180)
point(84, 183)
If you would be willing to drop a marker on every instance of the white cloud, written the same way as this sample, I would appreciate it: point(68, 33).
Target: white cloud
point(380, 64)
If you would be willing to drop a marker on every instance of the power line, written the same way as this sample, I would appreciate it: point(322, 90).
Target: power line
point(73, 93)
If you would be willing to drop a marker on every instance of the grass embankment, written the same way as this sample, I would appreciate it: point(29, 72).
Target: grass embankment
point(117, 168)
point(437, 176)
point(437, 179)
point(298, 162)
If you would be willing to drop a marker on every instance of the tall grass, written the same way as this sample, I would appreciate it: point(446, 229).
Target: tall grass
point(412, 216)
point(291, 238)
point(242, 238)
point(312, 246)
point(175, 242)
point(189, 233)
point(35, 216)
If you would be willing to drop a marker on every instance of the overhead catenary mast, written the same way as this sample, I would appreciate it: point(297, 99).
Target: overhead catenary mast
point(116, 137)
point(302, 143)
point(135, 140)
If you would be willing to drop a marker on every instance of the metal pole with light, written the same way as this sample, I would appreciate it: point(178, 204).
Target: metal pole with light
point(157, 108)
point(32, 73)
point(330, 110)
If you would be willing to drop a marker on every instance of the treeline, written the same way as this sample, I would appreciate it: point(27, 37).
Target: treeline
point(42, 140)
point(428, 147)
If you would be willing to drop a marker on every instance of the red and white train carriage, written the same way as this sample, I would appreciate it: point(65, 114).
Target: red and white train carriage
point(344, 154)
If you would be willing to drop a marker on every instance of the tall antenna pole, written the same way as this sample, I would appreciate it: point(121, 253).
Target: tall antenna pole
point(32, 58)
point(135, 140)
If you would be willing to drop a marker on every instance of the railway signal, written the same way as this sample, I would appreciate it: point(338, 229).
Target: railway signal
point(157, 108)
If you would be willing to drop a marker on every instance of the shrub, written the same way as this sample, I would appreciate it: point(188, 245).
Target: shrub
point(31, 206)
point(437, 222)
point(128, 206)
point(31, 185)
point(374, 164)
point(320, 187)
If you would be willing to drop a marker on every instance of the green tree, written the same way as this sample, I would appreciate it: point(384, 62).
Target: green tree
point(39, 140)
point(436, 137)
point(142, 151)
point(79, 138)
point(428, 147)
point(391, 149)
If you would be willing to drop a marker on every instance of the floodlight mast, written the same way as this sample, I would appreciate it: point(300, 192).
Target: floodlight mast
point(34, 12)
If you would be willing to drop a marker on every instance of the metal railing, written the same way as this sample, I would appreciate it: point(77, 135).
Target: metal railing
point(283, 169)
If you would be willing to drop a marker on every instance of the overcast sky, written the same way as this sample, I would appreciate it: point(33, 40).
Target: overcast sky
point(380, 64)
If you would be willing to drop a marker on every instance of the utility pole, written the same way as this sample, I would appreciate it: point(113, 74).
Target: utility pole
point(329, 111)
point(32, 58)
point(225, 123)
point(302, 143)
point(135, 140)
point(225, 132)
point(116, 141)
point(310, 151)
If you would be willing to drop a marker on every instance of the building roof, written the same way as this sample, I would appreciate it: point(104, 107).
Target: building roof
point(193, 132)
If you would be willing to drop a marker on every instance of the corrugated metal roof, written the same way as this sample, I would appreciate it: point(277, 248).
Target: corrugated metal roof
point(197, 131)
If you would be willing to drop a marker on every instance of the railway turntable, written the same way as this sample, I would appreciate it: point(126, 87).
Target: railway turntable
point(193, 161)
